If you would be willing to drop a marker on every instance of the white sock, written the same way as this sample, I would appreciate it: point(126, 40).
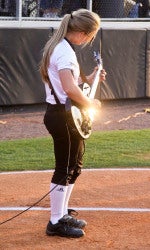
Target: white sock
point(68, 194)
point(57, 200)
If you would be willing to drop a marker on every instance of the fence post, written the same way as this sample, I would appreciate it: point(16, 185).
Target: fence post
point(19, 10)
point(89, 4)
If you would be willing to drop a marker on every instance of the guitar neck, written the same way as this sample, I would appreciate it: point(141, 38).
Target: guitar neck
point(95, 83)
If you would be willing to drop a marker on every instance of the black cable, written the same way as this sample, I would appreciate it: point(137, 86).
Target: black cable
point(24, 210)
point(33, 205)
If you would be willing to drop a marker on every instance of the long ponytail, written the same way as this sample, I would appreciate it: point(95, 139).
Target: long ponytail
point(51, 44)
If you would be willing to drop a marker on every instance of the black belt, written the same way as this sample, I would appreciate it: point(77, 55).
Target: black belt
point(56, 107)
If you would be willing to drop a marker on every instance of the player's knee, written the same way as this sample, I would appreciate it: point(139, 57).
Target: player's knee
point(75, 175)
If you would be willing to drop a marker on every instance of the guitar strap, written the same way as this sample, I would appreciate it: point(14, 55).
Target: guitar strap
point(53, 92)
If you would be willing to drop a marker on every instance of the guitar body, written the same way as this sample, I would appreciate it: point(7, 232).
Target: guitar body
point(78, 117)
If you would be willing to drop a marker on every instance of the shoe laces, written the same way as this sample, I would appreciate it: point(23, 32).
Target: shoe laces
point(72, 212)
point(66, 223)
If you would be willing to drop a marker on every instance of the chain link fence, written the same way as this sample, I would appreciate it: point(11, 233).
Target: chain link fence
point(50, 9)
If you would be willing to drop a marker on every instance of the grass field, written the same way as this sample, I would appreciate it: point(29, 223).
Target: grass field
point(103, 149)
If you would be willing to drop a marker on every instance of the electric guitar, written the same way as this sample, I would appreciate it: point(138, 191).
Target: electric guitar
point(78, 117)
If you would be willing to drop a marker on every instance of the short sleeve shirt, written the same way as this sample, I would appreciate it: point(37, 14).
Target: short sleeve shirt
point(63, 57)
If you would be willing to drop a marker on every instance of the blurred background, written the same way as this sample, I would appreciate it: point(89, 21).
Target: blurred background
point(57, 8)
point(123, 40)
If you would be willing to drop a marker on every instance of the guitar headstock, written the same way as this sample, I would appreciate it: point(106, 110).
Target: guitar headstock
point(97, 58)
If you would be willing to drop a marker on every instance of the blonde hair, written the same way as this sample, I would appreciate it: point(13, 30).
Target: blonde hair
point(81, 20)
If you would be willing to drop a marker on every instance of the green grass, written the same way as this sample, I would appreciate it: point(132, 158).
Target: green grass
point(103, 149)
point(119, 149)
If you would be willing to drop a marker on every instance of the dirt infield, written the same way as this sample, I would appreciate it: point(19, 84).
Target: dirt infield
point(119, 220)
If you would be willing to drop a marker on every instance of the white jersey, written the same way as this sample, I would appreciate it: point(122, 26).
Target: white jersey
point(63, 57)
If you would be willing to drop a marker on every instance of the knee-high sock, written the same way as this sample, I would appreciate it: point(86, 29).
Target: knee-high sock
point(57, 200)
point(68, 194)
